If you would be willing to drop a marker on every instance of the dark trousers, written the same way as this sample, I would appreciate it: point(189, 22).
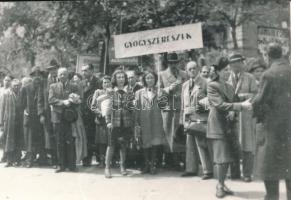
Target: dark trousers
point(272, 189)
point(247, 163)
point(235, 149)
point(90, 129)
point(65, 146)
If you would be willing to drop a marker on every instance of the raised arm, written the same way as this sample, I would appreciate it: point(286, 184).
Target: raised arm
point(215, 99)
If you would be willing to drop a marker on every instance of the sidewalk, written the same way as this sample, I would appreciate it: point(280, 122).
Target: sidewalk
point(90, 184)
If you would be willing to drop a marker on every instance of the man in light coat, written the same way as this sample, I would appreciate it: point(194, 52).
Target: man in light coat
point(194, 90)
point(245, 87)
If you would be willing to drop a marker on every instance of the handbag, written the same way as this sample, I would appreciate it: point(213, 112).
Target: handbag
point(196, 127)
point(195, 123)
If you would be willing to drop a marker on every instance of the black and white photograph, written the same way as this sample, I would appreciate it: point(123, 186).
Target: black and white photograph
point(145, 100)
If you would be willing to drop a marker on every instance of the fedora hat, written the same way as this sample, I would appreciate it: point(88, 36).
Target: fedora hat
point(51, 67)
point(235, 58)
point(36, 69)
point(172, 58)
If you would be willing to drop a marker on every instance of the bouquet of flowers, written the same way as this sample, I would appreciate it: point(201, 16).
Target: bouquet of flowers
point(74, 98)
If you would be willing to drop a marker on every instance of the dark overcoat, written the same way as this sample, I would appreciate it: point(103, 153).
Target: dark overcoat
point(272, 107)
point(87, 114)
point(33, 107)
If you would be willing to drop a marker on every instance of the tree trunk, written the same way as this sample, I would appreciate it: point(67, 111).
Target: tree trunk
point(32, 59)
point(234, 38)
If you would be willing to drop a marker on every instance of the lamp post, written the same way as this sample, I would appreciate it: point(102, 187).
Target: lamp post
point(124, 4)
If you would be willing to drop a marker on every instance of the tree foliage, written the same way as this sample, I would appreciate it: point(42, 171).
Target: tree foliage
point(34, 33)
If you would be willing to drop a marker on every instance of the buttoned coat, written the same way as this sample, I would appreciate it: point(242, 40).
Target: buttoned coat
point(220, 96)
point(190, 98)
point(245, 88)
point(33, 107)
point(122, 109)
point(171, 117)
point(272, 107)
point(58, 93)
point(148, 116)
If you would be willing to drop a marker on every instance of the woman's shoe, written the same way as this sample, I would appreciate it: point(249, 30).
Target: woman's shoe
point(227, 190)
point(247, 179)
point(107, 173)
point(146, 169)
point(220, 193)
point(123, 171)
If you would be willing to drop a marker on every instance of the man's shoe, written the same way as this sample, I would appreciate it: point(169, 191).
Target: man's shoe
point(9, 164)
point(16, 164)
point(247, 179)
point(220, 193)
point(153, 170)
point(59, 170)
point(207, 176)
point(73, 169)
point(28, 165)
point(188, 174)
point(107, 173)
point(146, 169)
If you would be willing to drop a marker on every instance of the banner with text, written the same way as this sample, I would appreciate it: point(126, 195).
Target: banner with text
point(158, 40)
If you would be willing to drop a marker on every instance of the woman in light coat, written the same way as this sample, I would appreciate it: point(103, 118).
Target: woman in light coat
point(149, 122)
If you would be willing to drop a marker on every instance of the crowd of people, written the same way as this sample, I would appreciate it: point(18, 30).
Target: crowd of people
point(215, 116)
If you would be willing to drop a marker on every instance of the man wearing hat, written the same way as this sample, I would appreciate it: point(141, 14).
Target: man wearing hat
point(245, 87)
point(170, 81)
point(33, 106)
point(50, 144)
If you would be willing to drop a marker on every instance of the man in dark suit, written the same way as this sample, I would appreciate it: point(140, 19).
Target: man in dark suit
point(134, 156)
point(33, 107)
point(194, 90)
point(272, 106)
point(59, 99)
point(91, 83)
point(50, 144)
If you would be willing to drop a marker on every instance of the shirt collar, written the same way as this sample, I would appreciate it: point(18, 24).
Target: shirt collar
point(116, 89)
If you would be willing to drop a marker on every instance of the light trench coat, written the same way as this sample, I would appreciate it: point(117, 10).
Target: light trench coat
point(245, 88)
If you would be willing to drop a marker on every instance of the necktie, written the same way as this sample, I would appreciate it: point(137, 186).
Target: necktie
point(236, 78)
point(191, 85)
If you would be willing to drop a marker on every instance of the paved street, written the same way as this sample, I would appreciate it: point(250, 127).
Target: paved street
point(90, 184)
